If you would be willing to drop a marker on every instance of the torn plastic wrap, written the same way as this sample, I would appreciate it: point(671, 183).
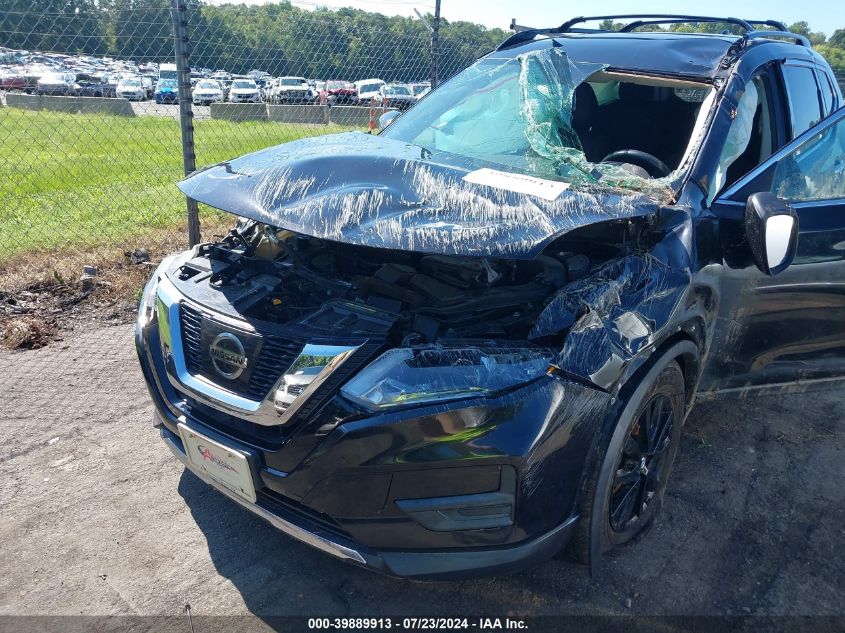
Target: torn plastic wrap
point(547, 81)
point(413, 187)
point(372, 191)
point(612, 314)
point(738, 137)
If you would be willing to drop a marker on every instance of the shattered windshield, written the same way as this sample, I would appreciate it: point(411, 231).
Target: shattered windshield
point(543, 115)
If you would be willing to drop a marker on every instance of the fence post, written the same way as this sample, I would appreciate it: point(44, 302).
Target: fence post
point(186, 113)
point(435, 45)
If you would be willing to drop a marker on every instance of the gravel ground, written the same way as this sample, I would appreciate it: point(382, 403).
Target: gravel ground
point(98, 518)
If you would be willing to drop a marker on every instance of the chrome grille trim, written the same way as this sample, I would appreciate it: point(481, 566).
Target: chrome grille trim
point(260, 410)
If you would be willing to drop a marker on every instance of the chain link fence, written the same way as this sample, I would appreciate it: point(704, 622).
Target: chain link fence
point(95, 126)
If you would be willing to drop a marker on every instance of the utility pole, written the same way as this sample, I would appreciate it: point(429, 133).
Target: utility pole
point(186, 113)
point(435, 39)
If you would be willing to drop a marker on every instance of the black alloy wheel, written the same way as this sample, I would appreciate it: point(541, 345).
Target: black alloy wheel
point(639, 472)
point(625, 491)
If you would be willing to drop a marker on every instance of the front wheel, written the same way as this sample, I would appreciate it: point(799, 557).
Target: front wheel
point(625, 493)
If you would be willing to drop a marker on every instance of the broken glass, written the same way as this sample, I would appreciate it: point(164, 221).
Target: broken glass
point(517, 112)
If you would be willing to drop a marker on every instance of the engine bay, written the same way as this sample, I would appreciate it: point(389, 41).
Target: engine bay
point(336, 290)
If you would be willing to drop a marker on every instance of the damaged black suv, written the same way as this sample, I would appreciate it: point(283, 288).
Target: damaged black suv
point(470, 342)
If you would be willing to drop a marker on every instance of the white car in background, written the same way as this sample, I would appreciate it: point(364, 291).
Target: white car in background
point(291, 90)
point(369, 90)
point(207, 91)
point(131, 88)
point(419, 89)
point(244, 91)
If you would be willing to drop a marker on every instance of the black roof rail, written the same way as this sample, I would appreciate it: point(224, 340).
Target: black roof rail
point(654, 18)
point(528, 34)
point(780, 26)
point(799, 39)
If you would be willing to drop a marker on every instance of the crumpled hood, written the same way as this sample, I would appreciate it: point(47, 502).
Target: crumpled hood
point(373, 191)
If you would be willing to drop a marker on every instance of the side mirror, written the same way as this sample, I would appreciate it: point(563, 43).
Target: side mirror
point(771, 227)
point(387, 118)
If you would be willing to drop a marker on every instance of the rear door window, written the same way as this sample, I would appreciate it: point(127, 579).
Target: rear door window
point(827, 92)
point(815, 170)
point(803, 93)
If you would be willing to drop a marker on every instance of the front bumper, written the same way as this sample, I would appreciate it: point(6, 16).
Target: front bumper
point(430, 565)
point(389, 491)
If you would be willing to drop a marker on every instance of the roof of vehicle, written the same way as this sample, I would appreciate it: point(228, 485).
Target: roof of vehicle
point(689, 54)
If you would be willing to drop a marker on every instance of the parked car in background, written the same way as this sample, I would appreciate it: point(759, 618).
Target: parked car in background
point(112, 80)
point(167, 91)
point(341, 92)
point(208, 91)
point(21, 82)
point(57, 84)
point(95, 86)
point(148, 84)
point(257, 75)
point(226, 85)
point(291, 90)
point(131, 88)
point(168, 71)
point(396, 96)
point(368, 90)
point(419, 87)
point(244, 91)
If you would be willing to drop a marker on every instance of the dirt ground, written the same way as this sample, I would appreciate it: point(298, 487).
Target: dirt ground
point(98, 518)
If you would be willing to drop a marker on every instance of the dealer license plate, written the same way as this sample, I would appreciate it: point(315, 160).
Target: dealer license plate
point(224, 465)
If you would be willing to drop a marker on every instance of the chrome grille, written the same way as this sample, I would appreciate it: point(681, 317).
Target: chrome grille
point(192, 338)
point(273, 356)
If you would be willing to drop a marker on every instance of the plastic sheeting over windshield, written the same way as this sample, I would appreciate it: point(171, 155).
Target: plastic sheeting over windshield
point(374, 191)
point(488, 164)
point(518, 112)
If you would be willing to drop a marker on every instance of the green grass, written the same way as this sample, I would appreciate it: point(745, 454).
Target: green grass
point(73, 181)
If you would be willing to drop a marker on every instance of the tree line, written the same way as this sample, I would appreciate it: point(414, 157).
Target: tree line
point(277, 38)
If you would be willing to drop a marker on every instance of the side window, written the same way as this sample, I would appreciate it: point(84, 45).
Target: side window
point(803, 93)
point(815, 170)
point(826, 91)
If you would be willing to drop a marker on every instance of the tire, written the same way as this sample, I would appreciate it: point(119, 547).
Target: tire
point(626, 489)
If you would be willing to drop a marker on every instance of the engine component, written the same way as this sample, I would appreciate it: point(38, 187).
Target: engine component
point(283, 277)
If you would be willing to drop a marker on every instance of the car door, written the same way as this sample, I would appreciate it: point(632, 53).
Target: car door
point(791, 327)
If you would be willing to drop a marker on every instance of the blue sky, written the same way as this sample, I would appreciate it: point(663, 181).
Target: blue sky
point(822, 15)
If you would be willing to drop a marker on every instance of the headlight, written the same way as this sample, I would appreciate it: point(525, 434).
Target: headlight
point(409, 376)
point(147, 306)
